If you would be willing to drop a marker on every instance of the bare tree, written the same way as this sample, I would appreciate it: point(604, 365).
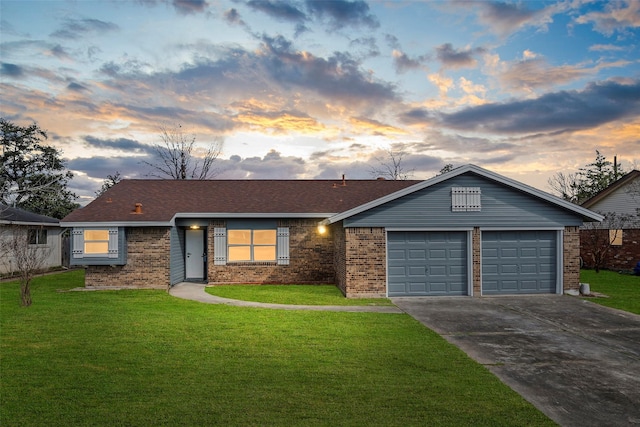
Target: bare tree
point(19, 245)
point(565, 185)
point(391, 166)
point(178, 157)
point(597, 238)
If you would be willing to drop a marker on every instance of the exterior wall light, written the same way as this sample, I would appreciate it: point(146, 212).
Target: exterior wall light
point(322, 229)
point(195, 227)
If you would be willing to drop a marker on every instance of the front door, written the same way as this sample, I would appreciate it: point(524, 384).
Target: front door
point(195, 255)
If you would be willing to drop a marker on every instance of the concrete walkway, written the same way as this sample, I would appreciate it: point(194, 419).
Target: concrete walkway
point(196, 292)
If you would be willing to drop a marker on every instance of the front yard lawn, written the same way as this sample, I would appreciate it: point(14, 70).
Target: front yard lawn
point(623, 290)
point(142, 357)
point(292, 294)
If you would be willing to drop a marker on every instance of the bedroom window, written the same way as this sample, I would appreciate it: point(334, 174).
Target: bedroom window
point(251, 245)
point(466, 199)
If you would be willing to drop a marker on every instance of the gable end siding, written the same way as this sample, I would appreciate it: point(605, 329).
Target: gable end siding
point(431, 207)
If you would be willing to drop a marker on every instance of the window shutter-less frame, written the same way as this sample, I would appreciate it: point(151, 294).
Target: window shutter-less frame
point(283, 246)
point(220, 246)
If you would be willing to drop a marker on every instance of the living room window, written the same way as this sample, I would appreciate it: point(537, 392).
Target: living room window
point(245, 244)
point(251, 245)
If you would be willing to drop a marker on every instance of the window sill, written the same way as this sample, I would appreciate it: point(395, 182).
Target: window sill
point(252, 263)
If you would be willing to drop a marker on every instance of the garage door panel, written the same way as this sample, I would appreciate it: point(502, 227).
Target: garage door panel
point(427, 263)
point(518, 262)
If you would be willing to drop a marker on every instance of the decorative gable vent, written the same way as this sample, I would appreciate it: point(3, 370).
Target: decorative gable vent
point(466, 199)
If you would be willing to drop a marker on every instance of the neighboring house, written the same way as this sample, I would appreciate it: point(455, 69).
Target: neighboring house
point(43, 232)
point(623, 199)
point(466, 232)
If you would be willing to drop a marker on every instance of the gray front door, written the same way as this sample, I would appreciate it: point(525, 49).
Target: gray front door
point(421, 263)
point(518, 262)
point(194, 254)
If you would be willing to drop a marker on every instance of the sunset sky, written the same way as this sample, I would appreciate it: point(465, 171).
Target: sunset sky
point(317, 89)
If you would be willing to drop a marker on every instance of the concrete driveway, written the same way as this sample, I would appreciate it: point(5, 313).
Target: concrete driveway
point(576, 361)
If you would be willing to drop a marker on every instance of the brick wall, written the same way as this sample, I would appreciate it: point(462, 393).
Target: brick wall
point(571, 258)
point(310, 258)
point(339, 256)
point(365, 262)
point(476, 261)
point(623, 257)
point(147, 262)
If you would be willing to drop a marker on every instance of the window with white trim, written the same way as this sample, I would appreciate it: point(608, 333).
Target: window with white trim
point(466, 199)
point(37, 236)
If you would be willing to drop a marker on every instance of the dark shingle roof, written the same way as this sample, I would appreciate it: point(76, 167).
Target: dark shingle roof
point(15, 215)
point(162, 199)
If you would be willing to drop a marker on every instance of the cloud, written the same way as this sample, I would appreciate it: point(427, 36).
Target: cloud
point(279, 122)
point(403, 63)
point(186, 7)
point(272, 166)
point(534, 72)
point(457, 58)
point(79, 28)
point(597, 104)
point(76, 87)
point(99, 167)
point(617, 16)
point(605, 48)
point(11, 70)
point(119, 144)
point(374, 127)
point(416, 116)
point(280, 10)
point(232, 16)
point(341, 13)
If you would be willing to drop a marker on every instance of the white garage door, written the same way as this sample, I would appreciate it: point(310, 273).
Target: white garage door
point(427, 263)
point(519, 262)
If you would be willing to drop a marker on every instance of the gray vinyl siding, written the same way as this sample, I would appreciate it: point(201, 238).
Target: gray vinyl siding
point(177, 268)
point(501, 206)
point(623, 201)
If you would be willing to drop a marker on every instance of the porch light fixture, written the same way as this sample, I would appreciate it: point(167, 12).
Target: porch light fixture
point(195, 227)
point(322, 229)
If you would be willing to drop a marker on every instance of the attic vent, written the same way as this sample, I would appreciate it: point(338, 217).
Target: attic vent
point(465, 199)
point(138, 209)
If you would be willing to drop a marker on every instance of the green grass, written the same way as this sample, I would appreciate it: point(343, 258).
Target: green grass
point(292, 294)
point(142, 357)
point(623, 290)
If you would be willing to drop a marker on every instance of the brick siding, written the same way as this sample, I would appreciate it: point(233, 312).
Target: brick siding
point(147, 262)
point(365, 263)
point(310, 259)
point(571, 258)
point(476, 261)
point(623, 257)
